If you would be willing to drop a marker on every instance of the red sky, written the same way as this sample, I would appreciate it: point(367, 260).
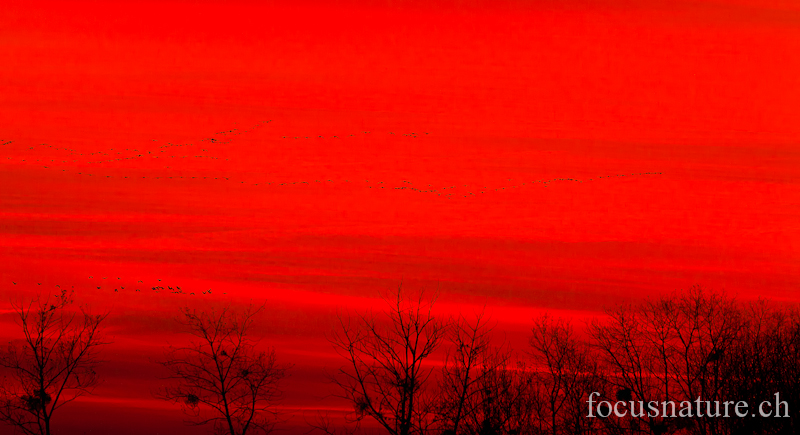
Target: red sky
point(365, 144)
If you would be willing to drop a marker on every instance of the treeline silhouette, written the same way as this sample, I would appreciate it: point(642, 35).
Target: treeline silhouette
point(408, 371)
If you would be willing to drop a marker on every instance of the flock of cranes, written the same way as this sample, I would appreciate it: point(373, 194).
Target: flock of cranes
point(137, 287)
point(173, 151)
point(224, 137)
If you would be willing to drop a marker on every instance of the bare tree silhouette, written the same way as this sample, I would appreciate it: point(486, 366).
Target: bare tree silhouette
point(764, 360)
point(674, 348)
point(637, 352)
point(565, 374)
point(53, 364)
point(385, 377)
point(221, 378)
point(464, 370)
point(483, 390)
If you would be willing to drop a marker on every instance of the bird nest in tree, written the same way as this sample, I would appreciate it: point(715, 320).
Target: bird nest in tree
point(38, 400)
point(192, 400)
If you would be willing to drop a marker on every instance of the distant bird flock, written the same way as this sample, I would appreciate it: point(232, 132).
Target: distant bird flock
point(138, 286)
point(172, 152)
